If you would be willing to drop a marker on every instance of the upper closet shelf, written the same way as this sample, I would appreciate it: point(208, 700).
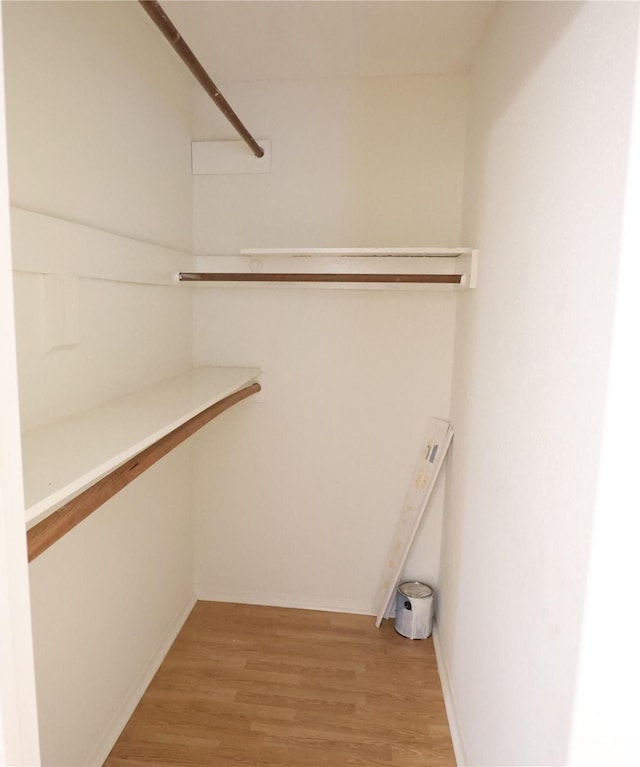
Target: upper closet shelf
point(377, 252)
point(44, 245)
point(63, 458)
point(446, 268)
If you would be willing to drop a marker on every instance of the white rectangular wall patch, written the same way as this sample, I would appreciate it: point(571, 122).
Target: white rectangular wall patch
point(228, 158)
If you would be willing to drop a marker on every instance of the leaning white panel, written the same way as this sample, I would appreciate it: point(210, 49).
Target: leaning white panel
point(432, 455)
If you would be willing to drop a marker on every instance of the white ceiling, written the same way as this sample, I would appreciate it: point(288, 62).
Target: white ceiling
point(292, 39)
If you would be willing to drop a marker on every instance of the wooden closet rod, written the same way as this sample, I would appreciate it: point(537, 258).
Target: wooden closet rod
point(51, 529)
point(165, 25)
point(454, 279)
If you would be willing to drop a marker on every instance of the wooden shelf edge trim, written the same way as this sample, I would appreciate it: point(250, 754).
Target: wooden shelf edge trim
point(454, 279)
point(51, 529)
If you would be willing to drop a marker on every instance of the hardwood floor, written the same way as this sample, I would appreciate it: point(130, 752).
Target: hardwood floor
point(247, 686)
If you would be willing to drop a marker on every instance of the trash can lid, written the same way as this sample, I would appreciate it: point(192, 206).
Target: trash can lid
point(415, 590)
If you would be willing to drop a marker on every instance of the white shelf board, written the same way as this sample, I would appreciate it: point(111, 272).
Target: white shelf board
point(44, 244)
point(64, 458)
point(358, 252)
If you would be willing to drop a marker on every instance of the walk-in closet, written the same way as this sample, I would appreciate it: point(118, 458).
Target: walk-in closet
point(226, 364)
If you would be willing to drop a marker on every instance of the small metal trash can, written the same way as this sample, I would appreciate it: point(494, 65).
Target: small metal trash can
point(414, 610)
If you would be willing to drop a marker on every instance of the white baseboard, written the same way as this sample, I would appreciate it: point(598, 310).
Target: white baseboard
point(293, 601)
point(449, 700)
point(122, 716)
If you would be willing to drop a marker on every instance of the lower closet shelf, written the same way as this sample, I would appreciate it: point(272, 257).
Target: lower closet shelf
point(63, 459)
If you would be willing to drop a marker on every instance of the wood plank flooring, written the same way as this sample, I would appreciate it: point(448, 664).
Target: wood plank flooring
point(247, 686)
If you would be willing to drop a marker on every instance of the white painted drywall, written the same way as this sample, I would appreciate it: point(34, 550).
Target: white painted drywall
point(99, 128)
point(548, 130)
point(607, 703)
point(98, 125)
point(19, 744)
point(130, 336)
point(307, 486)
point(366, 162)
point(107, 598)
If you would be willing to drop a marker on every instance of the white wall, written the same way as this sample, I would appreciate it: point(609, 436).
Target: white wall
point(357, 162)
point(548, 131)
point(96, 88)
point(130, 335)
point(99, 130)
point(297, 498)
point(607, 708)
point(18, 710)
point(107, 600)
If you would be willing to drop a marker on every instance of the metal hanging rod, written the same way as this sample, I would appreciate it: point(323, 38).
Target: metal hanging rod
point(455, 279)
point(165, 25)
